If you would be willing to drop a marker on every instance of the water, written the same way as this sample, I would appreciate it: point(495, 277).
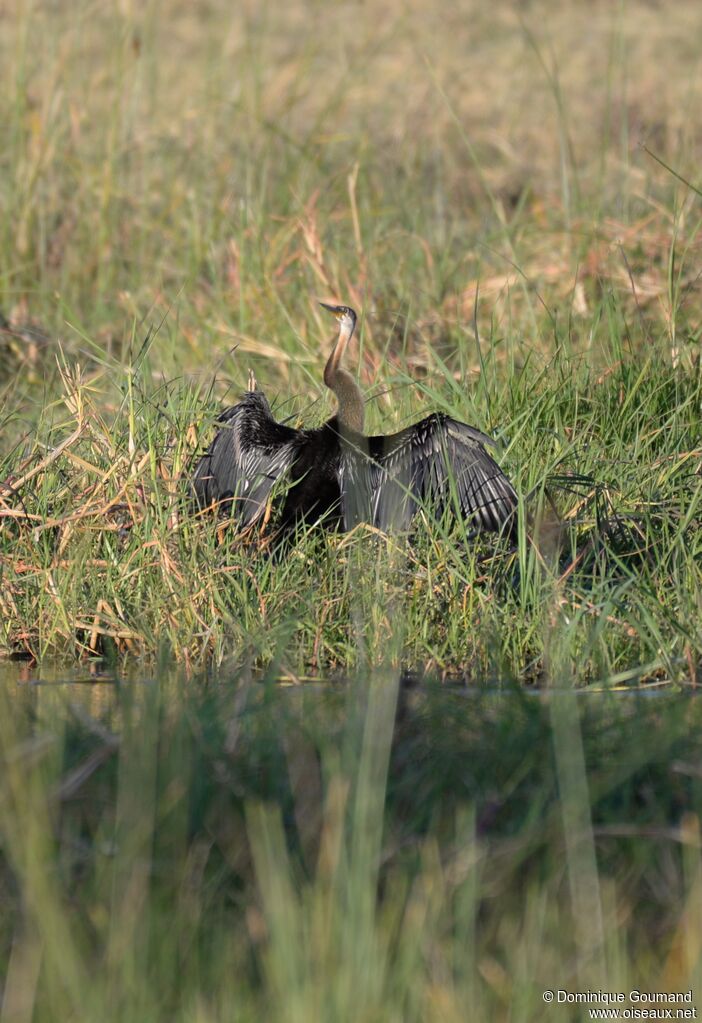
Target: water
point(171, 841)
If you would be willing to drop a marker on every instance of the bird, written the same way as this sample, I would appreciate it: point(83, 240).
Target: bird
point(338, 476)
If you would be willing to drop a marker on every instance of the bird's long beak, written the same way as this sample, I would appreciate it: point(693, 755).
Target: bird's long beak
point(331, 308)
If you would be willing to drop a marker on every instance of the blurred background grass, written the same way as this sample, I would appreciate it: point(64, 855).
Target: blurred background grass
point(213, 170)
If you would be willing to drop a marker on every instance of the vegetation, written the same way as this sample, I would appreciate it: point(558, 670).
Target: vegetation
point(171, 226)
point(209, 851)
point(103, 554)
point(508, 194)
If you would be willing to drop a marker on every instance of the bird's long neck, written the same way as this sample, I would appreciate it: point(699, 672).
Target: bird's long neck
point(348, 393)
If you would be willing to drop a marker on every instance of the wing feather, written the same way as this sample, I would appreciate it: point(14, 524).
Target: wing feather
point(384, 480)
point(248, 455)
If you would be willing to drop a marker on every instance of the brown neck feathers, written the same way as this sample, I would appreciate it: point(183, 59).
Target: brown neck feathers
point(348, 393)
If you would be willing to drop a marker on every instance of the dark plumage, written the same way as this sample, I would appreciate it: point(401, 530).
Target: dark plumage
point(252, 451)
point(336, 473)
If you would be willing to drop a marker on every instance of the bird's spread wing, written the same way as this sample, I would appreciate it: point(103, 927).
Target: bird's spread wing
point(248, 455)
point(437, 463)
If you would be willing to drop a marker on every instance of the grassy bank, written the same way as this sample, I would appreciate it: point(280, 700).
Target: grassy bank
point(103, 555)
point(483, 191)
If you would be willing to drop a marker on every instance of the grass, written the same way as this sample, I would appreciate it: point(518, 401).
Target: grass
point(509, 197)
point(172, 225)
point(102, 555)
point(196, 851)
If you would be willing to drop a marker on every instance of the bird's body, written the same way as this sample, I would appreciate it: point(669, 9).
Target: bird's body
point(337, 474)
point(252, 451)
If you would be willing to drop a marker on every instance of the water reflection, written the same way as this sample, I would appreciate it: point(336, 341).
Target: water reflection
point(171, 812)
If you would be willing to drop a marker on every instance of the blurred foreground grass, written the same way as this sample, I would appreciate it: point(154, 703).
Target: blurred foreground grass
point(480, 185)
point(232, 850)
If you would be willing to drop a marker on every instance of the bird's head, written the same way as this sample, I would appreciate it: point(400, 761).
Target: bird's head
point(344, 314)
